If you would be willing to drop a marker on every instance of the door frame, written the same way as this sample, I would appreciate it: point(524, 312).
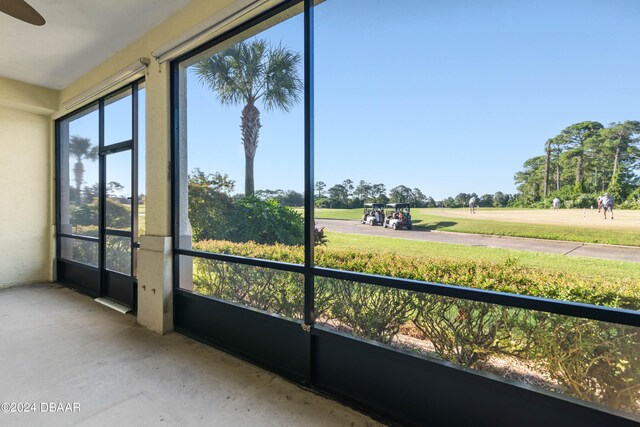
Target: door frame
point(98, 281)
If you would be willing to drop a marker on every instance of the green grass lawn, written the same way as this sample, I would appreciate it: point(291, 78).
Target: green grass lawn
point(430, 221)
point(586, 267)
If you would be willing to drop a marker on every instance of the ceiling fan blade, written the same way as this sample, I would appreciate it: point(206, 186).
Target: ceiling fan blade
point(20, 9)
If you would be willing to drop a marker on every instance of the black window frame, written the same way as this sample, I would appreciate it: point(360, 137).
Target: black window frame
point(308, 268)
point(567, 308)
point(86, 277)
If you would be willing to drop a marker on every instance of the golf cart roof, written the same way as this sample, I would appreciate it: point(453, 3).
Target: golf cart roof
point(398, 205)
point(374, 205)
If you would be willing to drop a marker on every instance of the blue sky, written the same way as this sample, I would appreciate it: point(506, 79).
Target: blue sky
point(117, 120)
point(448, 97)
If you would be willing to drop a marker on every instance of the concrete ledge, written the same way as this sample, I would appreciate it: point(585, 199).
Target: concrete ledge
point(155, 243)
point(155, 289)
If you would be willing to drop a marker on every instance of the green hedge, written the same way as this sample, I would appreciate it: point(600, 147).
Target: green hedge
point(595, 361)
point(118, 256)
point(508, 276)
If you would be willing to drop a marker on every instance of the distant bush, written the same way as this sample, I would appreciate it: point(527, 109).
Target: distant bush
point(289, 198)
point(585, 201)
point(86, 214)
point(118, 215)
point(574, 200)
point(266, 222)
point(321, 202)
point(214, 214)
point(633, 201)
point(245, 219)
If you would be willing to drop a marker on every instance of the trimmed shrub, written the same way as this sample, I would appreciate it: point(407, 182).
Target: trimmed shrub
point(368, 311)
point(270, 290)
point(467, 332)
point(595, 361)
point(86, 214)
point(506, 277)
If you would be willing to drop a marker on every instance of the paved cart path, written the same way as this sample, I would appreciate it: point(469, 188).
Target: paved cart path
point(591, 250)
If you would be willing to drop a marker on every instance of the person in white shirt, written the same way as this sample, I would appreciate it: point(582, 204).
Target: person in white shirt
point(600, 203)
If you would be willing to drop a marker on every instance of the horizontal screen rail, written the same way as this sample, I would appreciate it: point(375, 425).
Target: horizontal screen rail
point(567, 308)
point(78, 237)
point(276, 265)
point(115, 232)
point(78, 264)
point(117, 147)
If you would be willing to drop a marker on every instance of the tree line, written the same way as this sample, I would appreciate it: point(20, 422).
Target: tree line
point(347, 195)
point(584, 161)
point(350, 195)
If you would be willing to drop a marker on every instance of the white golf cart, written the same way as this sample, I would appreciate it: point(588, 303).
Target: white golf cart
point(373, 214)
point(398, 216)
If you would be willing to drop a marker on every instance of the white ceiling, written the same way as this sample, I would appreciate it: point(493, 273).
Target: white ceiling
point(78, 35)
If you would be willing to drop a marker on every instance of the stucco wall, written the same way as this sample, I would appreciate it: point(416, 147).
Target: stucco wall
point(25, 182)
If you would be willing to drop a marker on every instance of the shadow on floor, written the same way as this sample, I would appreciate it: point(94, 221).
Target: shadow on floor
point(434, 226)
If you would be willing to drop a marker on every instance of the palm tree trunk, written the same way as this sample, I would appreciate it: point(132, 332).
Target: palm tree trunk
point(249, 187)
point(250, 131)
point(78, 173)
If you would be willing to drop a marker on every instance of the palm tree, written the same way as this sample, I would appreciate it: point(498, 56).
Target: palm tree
point(251, 72)
point(81, 149)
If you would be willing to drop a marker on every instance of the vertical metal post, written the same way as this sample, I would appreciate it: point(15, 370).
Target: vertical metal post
point(309, 223)
point(134, 196)
point(134, 181)
point(58, 193)
point(174, 118)
point(102, 191)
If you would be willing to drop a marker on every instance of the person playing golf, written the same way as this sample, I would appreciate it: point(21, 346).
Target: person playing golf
point(607, 205)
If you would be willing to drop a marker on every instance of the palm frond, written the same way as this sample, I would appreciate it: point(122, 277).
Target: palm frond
point(283, 86)
point(253, 70)
point(81, 148)
point(232, 73)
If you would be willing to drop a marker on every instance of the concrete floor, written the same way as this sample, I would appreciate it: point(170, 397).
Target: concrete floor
point(60, 346)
